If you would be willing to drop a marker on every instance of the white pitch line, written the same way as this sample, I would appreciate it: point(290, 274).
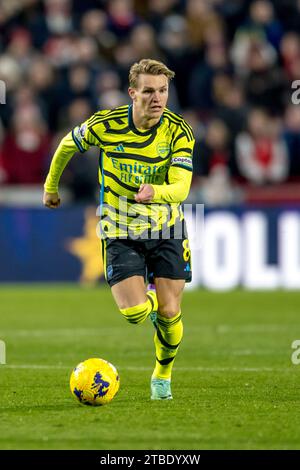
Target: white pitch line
point(255, 328)
point(57, 332)
point(141, 368)
point(35, 366)
point(219, 329)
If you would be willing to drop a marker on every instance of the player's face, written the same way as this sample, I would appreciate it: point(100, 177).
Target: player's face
point(150, 96)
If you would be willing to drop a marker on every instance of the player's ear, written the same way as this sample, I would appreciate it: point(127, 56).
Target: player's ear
point(131, 92)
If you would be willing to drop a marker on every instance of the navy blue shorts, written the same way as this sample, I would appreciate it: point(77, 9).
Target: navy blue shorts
point(123, 258)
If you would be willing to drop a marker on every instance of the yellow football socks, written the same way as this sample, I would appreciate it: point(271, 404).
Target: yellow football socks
point(167, 339)
point(138, 313)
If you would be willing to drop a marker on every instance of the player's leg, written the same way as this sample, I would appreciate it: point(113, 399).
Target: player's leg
point(171, 268)
point(168, 334)
point(133, 301)
point(124, 268)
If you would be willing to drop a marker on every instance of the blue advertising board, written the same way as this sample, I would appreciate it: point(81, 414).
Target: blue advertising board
point(258, 248)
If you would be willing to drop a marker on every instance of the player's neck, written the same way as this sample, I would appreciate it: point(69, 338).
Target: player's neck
point(142, 122)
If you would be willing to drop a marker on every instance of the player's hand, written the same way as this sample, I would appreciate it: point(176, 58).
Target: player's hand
point(51, 200)
point(145, 194)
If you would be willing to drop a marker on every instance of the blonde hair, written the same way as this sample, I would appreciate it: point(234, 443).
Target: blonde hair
point(150, 67)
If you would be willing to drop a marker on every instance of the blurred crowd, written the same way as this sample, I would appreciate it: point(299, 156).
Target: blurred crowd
point(235, 63)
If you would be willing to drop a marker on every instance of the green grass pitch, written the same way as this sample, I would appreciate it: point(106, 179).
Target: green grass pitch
point(234, 384)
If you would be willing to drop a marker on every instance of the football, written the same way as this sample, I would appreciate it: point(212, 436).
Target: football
point(94, 382)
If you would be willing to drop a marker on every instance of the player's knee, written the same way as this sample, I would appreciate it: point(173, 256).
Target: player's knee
point(136, 314)
point(169, 310)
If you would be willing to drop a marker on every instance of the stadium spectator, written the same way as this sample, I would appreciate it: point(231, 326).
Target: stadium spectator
point(201, 80)
point(290, 52)
point(20, 47)
point(201, 19)
point(80, 175)
point(121, 17)
point(174, 42)
point(261, 152)
point(214, 148)
point(94, 23)
point(42, 79)
point(157, 11)
point(230, 104)
point(292, 138)
point(262, 18)
point(143, 42)
point(25, 149)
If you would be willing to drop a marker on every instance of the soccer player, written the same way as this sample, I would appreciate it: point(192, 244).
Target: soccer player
point(145, 172)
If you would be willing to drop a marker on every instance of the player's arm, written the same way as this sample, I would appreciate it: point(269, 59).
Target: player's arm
point(61, 157)
point(176, 190)
point(179, 179)
point(178, 187)
point(79, 139)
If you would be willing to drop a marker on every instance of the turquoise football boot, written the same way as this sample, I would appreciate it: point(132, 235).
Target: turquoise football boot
point(161, 389)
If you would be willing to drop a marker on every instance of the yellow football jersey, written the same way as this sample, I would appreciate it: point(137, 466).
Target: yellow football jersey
point(160, 156)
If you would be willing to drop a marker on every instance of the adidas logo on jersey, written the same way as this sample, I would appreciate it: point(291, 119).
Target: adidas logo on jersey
point(119, 148)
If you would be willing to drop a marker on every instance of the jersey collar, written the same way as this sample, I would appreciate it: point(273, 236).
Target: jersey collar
point(135, 130)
